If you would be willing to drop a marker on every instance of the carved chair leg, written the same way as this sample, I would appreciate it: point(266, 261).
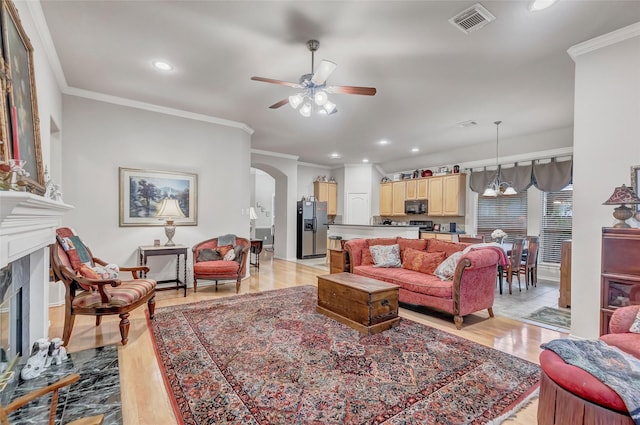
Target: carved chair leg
point(69, 319)
point(195, 285)
point(458, 321)
point(98, 320)
point(238, 285)
point(490, 310)
point(124, 328)
point(216, 286)
point(151, 304)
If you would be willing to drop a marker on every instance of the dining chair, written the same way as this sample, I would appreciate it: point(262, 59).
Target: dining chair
point(54, 389)
point(529, 266)
point(515, 259)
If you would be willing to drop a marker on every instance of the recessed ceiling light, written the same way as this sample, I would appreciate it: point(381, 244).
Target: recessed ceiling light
point(365, 160)
point(537, 5)
point(383, 142)
point(335, 155)
point(415, 150)
point(162, 65)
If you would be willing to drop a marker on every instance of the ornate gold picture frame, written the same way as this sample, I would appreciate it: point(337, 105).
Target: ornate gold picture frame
point(20, 123)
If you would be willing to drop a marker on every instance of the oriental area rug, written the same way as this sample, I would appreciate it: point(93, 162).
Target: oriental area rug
point(270, 358)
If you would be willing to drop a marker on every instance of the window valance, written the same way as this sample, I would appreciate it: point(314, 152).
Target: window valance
point(549, 177)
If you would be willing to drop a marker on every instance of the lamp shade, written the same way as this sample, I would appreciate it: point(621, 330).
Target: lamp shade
point(169, 208)
point(622, 195)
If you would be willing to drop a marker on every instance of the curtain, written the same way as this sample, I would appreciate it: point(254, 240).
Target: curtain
point(553, 176)
point(519, 177)
point(479, 180)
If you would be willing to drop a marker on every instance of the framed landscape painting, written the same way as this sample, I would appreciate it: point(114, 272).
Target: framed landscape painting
point(142, 191)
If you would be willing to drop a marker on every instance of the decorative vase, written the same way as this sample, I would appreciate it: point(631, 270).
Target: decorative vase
point(500, 240)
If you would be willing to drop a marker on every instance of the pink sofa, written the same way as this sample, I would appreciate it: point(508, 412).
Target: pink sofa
point(471, 289)
point(570, 395)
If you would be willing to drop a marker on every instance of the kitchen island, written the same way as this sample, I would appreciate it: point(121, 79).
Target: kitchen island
point(357, 231)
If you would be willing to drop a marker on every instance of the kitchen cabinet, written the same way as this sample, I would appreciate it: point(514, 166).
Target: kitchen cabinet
point(327, 192)
point(410, 189)
point(450, 237)
point(422, 189)
point(399, 189)
point(416, 189)
point(620, 273)
point(386, 199)
point(447, 195)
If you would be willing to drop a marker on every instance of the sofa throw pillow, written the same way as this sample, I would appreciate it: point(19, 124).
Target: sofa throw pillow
point(447, 268)
point(386, 255)
point(421, 261)
point(208, 254)
point(437, 245)
point(404, 243)
point(76, 251)
point(110, 271)
point(230, 255)
point(635, 326)
point(224, 249)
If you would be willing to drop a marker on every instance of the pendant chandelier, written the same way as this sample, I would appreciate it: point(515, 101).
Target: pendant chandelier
point(498, 187)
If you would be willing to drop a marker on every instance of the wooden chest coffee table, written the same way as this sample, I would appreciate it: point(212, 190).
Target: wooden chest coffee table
point(368, 305)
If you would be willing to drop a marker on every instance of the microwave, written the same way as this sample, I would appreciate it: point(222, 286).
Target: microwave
point(415, 207)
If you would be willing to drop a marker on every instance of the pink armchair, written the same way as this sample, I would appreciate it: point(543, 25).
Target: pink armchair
point(208, 266)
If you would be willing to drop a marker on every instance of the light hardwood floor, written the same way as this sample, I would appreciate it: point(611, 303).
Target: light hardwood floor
point(145, 399)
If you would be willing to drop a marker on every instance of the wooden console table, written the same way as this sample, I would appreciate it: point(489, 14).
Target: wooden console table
point(177, 250)
point(256, 249)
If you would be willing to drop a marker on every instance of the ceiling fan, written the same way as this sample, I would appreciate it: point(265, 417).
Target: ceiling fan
point(314, 94)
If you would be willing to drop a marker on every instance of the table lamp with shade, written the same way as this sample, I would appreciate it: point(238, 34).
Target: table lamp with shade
point(622, 195)
point(252, 217)
point(170, 210)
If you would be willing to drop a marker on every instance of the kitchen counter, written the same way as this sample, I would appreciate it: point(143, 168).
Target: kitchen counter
point(373, 225)
point(357, 231)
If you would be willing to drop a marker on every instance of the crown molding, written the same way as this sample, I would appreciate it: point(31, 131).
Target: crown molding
point(72, 91)
point(605, 40)
point(35, 9)
point(274, 154)
point(309, 164)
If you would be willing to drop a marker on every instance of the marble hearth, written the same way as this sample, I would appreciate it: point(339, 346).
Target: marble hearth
point(27, 227)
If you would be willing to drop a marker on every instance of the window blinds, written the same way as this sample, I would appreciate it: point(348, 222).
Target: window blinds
point(508, 213)
point(557, 217)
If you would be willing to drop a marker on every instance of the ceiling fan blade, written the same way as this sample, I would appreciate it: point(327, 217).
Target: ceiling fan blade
point(279, 104)
point(323, 71)
point(272, 81)
point(366, 91)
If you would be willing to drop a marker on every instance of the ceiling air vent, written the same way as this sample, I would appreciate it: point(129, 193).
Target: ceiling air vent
point(472, 19)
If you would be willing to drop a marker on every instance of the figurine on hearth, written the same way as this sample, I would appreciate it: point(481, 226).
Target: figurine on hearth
point(57, 353)
point(37, 361)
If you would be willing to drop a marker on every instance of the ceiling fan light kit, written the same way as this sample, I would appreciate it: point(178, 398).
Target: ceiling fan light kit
point(315, 94)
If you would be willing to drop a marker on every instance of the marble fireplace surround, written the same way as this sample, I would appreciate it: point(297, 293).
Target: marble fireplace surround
point(27, 227)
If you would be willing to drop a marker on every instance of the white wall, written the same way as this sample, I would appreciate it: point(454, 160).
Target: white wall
point(307, 174)
point(606, 145)
point(284, 169)
point(100, 137)
point(265, 188)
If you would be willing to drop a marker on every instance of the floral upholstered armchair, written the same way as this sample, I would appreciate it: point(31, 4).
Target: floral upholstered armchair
point(219, 259)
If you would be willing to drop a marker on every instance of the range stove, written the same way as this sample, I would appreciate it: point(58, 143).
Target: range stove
point(425, 225)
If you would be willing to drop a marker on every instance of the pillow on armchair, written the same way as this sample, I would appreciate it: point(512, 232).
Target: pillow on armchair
point(208, 254)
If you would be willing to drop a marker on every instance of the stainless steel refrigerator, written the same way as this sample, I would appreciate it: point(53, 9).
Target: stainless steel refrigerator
point(312, 229)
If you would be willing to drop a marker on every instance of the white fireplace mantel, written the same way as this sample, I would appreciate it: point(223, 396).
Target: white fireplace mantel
point(27, 223)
